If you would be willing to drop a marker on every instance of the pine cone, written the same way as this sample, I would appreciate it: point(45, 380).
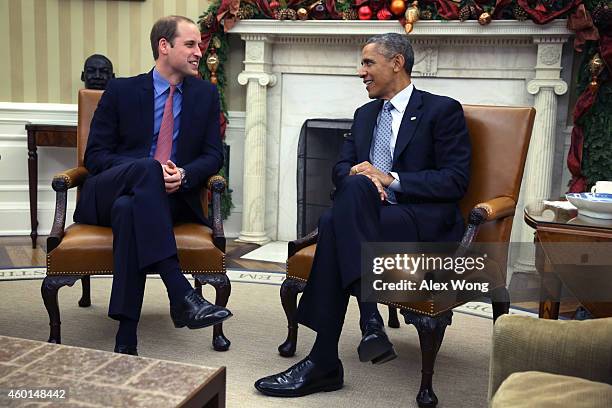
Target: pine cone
point(465, 13)
point(246, 12)
point(291, 14)
point(602, 15)
point(519, 13)
point(426, 15)
point(208, 21)
point(350, 14)
point(285, 14)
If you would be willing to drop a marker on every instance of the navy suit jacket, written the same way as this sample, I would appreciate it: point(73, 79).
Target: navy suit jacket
point(432, 158)
point(121, 131)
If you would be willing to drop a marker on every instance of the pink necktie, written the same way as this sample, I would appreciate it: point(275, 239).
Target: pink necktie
point(166, 130)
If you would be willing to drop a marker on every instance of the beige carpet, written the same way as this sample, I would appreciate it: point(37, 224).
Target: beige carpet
point(256, 329)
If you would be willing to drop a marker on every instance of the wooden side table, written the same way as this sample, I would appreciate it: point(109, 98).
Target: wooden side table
point(43, 135)
point(575, 251)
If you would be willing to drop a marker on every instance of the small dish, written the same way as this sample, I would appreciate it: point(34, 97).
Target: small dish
point(595, 205)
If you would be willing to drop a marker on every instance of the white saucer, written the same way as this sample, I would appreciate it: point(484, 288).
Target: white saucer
point(595, 205)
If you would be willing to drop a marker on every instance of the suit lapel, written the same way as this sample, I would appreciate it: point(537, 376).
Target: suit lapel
point(410, 122)
point(364, 139)
point(146, 109)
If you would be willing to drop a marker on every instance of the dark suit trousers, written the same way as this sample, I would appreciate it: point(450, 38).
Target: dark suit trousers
point(357, 216)
point(131, 198)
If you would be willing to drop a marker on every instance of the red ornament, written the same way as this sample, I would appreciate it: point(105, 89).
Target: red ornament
point(365, 13)
point(383, 14)
point(274, 4)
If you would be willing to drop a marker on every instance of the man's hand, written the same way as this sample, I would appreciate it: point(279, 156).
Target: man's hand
point(380, 179)
point(172, 177)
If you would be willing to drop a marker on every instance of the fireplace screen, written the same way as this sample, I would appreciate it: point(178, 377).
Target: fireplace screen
point(318, 149)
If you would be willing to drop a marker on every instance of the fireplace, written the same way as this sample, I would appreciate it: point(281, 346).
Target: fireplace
point(296, 70)
point(318, 148)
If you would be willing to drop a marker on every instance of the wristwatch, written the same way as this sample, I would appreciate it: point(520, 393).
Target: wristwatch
point(182, 171)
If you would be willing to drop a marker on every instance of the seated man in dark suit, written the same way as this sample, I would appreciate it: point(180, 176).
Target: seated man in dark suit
point(153, 143)
point(399, 178)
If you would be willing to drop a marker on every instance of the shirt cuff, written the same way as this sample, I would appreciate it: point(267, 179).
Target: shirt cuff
point(395, 184)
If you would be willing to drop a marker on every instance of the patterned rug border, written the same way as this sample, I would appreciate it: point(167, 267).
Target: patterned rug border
point(479, 309)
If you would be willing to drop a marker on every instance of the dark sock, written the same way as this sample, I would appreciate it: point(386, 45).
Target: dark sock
point(176, 283)
point(126, 335)
point(324, 351)
point(366, 309)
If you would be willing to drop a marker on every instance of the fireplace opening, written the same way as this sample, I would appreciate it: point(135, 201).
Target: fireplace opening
point(318, 148)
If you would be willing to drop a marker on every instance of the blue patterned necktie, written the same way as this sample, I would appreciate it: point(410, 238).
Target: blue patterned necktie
point(381, 154)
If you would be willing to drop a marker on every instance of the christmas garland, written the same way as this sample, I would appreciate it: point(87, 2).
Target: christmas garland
point(590, 156)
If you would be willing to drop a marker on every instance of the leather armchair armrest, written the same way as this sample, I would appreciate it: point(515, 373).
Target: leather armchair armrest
point(68, 179)
point(496, 208)
point(491, 210)
point(217, 184)
point(61, 183)
point(574, 348)
point(300, 243)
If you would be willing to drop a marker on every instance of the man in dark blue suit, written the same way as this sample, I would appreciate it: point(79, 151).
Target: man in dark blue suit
point(153, 143)
point(399, 178)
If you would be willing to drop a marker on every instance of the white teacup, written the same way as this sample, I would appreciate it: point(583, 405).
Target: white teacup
point(602, 187)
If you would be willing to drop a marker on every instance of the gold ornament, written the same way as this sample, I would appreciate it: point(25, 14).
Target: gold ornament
point(484, 19)
point(212, 62)
point(596, 65)
point(412, 13)
point(302, 13)
point(412, 16)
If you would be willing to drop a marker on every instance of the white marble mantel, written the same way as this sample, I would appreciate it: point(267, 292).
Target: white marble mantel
point(295, 70)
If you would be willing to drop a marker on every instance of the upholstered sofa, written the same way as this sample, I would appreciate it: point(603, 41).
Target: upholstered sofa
point(550, 363)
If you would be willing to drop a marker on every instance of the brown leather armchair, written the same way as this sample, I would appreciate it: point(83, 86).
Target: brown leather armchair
point(80, 250)
point(500, 140)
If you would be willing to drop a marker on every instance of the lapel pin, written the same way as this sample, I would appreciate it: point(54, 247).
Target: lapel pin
point(413, 118)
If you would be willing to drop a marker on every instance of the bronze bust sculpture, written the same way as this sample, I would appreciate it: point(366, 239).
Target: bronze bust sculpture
point(98, 70)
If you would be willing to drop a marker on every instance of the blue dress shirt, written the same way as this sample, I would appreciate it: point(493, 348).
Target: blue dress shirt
point(161, 90)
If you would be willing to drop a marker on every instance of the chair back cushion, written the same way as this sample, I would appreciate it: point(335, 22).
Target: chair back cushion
point(500, 138)
point(88, 102)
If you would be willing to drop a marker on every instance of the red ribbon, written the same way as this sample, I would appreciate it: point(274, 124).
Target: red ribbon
point(226, 14)
point(540, 15)
point(447, 9)
point(581, 23)
point(583, 105)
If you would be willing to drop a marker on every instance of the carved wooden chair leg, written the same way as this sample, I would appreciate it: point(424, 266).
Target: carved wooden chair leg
point(85, 300)
point(500, 298)
point(49, 288)
point(431, 333)
point(393, 321)
point(288, 293)
point(223, 289)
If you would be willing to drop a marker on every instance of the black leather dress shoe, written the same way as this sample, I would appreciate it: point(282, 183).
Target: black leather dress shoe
point(375, 345)
point(123, 349)
point(196, 312)
point(301, 379)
